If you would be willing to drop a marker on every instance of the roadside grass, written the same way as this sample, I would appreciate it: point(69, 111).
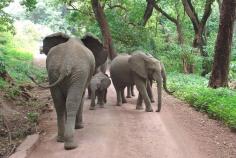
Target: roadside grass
point(17, 63)
point(217, 103)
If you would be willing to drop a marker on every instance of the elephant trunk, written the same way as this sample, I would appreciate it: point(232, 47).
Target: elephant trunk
point(163, 73)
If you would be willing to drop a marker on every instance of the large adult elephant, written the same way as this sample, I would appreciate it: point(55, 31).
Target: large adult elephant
point(137, 69)
point(70, 65)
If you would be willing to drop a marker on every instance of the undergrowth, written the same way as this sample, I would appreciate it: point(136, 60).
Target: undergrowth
point(217, 103)
point(17, 62)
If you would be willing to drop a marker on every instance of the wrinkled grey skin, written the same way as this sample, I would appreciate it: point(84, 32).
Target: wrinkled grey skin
point(98, 85)
point(137, 69)
point(101, 68)
point(130, 91)
point(70, 64)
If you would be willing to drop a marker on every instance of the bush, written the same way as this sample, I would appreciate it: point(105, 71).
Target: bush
point(218, 103)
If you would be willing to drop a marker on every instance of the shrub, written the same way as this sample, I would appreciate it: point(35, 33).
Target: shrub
point(218, 103)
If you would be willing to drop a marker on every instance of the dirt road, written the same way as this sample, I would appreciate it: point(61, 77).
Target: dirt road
point(123, 132)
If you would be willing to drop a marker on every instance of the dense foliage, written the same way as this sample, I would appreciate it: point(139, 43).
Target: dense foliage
point(218, 103)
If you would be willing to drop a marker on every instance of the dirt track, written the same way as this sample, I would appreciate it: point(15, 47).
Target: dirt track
point(123, 132)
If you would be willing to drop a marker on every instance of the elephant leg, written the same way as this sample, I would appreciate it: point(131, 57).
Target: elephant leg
point(123, 95)
point(128, 92)
point(73, 103)
point(118, 96)
point(139, 102)
point(132, 90)
point(79, 116)
point(59, 104)
point(93, 98)
point(149, 91)
point(105, 96)
point(100, 99)
point(141, 86)
point(89, 92)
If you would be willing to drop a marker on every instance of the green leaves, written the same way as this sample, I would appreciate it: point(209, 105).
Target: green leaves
point(29, 4)
point(218, 103)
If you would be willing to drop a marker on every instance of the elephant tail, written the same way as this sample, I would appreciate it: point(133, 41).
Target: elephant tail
point(163, 73)
point(60, 78)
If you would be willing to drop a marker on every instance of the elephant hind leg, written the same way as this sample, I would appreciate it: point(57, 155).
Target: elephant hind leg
point(118, 95)
point(123, 95)
point(79, 119)
point(59, 104)
point(128, 92)
point(73, 102)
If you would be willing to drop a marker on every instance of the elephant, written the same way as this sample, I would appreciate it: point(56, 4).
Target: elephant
point(70, 64)
point(101, 68)
point(98, 85)
point(136, 69)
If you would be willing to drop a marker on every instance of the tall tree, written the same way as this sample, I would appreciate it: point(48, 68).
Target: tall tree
point(220, 70)
point(199, 28)
point(104, 27)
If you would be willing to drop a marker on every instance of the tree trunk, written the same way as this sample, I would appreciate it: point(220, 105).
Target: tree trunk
point(199, 26)
point(104, 27)
point(220, 71)
point(180, 33)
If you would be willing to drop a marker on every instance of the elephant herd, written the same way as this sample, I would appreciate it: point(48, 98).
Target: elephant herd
point(71, 65)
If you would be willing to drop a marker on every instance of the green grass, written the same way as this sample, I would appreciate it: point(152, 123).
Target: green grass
point(17, 62)
point(217, 103)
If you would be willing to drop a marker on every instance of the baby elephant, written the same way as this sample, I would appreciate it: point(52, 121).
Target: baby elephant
point(98, 85)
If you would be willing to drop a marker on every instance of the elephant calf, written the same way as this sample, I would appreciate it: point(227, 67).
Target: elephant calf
point(98, 86)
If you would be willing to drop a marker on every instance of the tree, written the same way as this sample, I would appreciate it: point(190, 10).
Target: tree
point(104, 27)
point(220, 70)
point(199, 28)
point(6, 22)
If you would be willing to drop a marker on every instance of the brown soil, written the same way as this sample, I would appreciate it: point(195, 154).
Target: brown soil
point(19, 116)
point(178, 131)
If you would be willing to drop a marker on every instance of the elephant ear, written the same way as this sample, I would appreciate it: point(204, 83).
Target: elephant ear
point(96, 47)
point(53, 40)
point(137, 63)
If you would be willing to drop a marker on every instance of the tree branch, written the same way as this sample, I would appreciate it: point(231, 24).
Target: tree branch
point(148, 11)
point(207, 11)
point(165, 14)
point(117, 6)
point(188, 7)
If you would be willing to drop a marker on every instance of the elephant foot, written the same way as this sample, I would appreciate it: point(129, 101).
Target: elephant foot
point(149, 110)
point(70, 145)
point(158, 110)
point(92, 108)
point(139, 107)
point(60, 138)
point(79, 126)
point(118, 104)
point(128, 96)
